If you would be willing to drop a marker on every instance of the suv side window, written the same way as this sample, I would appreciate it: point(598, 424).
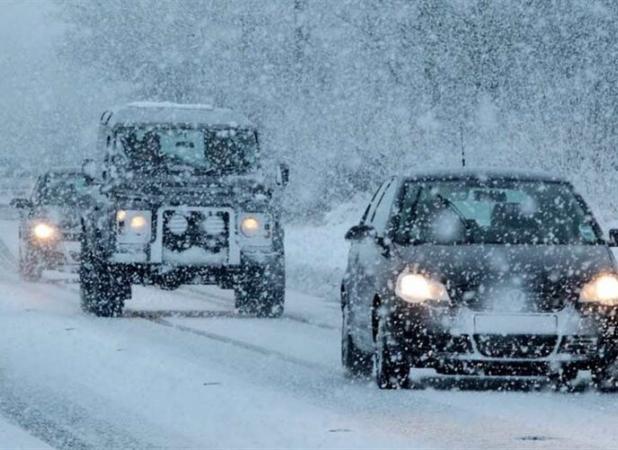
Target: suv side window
point(381, 214)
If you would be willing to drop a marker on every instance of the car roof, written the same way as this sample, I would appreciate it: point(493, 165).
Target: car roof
point(486, 175)
point(62, 173)
point(143, 113)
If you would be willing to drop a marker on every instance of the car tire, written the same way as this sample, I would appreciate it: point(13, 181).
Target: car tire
point(356, 363)
point(392, 368)
point(605, 376)
point(30, 268)
point(102, 290)
point(261, 291)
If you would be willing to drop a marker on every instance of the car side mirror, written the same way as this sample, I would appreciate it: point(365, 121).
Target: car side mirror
point(283, 175)
point(613, 237)
point(90, 171)
point(358, 232)
point(21, 203)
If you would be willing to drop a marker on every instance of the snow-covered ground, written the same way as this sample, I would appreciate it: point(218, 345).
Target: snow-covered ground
point(182, 370)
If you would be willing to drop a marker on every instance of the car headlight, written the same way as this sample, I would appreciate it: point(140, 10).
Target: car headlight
point(133, 226)
point(602, 290)
point(255, 225)
point(44, 231)
point(418, 288)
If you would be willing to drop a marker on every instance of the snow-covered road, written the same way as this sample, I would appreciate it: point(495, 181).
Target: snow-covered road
point(183, 370)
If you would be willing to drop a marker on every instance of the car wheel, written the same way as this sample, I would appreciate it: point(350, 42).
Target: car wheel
point(30, 268)
point(102, 292)
point(261, 291)
point(356, 363)
point(605, 377)
point(391, 367)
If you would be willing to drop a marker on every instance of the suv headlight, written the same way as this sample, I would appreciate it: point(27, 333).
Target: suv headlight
point(133, 226)
point(255, 225)
point(602, 290)
point(418, 288)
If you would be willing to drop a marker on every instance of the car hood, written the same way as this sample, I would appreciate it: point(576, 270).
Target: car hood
point(66, 217)
point(535, 277)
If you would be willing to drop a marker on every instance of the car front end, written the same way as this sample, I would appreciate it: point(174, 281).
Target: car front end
point(532, 321)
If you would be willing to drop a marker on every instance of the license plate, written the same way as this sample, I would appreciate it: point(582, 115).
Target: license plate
point(515, 324)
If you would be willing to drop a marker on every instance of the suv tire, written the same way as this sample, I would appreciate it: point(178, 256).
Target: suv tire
point(102, 291)
point(261, 291)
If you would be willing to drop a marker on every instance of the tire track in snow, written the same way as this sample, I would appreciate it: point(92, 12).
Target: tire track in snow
point(264, 351)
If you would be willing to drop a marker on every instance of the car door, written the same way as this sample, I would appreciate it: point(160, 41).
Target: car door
point(369, 257)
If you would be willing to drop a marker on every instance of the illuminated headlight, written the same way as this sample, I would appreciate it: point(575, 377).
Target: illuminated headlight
point(44, 232)
point(255, 225)
point(602, 290)
point(133, 226)
point(418, 288)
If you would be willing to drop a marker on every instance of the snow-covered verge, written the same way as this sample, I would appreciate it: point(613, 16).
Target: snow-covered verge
point(316, 254)
point(14, 438)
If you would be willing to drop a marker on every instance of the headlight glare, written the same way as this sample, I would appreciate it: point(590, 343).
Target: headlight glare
point(602, 290)
point(44, 231)
point(418, 288)
point(133, 226)
point(250, 226)
point(138, 223)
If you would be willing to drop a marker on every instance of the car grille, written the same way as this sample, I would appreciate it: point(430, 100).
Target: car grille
point(515, 346)
point(208, 230)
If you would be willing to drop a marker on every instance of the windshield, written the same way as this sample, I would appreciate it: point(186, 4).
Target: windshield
point(217, 150)
point(499, 212)
point(61, 189)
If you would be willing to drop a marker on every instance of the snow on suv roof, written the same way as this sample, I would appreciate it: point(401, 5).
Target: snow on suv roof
point(139, 113)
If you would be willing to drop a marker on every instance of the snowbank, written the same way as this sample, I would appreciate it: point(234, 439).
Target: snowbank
point(316, 254)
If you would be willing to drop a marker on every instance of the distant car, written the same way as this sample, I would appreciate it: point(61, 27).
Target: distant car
point(49, 228)
point(495, 274)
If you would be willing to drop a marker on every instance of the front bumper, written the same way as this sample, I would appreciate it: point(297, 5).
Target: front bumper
point(460, 337)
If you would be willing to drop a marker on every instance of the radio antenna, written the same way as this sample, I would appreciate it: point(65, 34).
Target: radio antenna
point(463, 150)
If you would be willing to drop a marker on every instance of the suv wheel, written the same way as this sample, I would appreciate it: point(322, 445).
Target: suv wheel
point(391, 367)
point(356, 363)
point(261, 291)
point(102, 291)
point(605, 377)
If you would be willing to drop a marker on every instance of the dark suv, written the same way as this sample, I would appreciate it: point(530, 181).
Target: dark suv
point(182, 199)
point(49, 227)
point(487, 273)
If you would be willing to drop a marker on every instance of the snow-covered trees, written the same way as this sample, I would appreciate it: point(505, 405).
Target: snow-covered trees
point(349, 91)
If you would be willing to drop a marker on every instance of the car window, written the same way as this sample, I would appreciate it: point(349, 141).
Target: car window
point(496, 212)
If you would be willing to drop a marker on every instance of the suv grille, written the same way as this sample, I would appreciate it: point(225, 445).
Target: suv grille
point(515, 346)
point(208, 230)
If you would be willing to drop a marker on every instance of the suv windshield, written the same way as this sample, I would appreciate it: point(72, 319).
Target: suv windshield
point(496, 212)
point(61, 189)
point(210, 150)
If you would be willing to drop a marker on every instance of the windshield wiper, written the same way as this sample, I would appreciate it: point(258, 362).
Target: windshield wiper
point(462, 218)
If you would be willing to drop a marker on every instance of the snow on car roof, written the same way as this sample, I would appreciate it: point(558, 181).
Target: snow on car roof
point(174, 113)
point(487, 174)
